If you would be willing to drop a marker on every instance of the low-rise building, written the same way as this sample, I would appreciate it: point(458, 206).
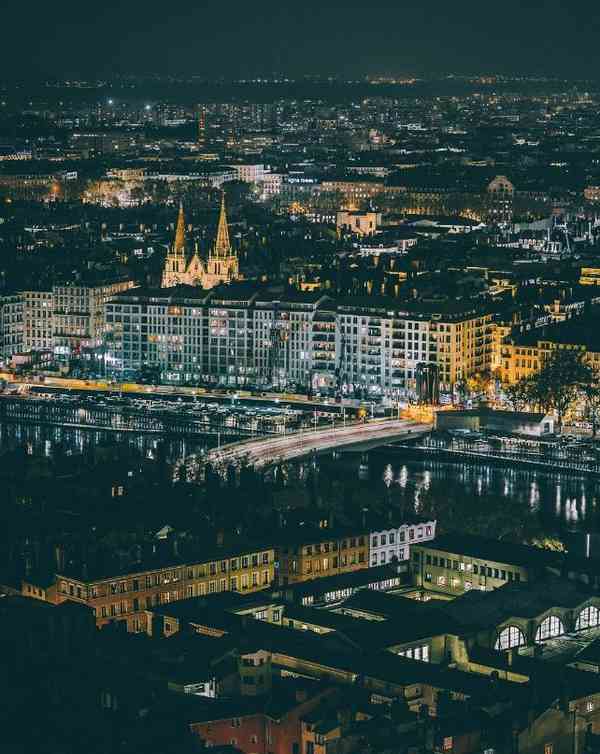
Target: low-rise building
point(318, 553)
point(358, 223)
point(453, 565)
point(125, 594)
point(390, 543)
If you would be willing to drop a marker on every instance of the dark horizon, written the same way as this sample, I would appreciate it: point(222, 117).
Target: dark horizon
point(354, 39)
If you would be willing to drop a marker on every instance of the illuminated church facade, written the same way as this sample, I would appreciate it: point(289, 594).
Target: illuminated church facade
point(183, 268)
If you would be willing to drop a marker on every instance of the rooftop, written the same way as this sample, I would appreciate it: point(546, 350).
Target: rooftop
point(493, 550)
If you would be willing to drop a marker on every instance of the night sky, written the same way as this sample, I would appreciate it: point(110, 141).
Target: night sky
point(241, 39)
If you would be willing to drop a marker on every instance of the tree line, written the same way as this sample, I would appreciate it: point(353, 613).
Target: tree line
point(564, 380)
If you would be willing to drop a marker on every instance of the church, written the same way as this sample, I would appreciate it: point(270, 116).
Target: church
point(182, 268)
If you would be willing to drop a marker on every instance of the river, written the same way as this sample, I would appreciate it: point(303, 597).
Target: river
point(495, 501)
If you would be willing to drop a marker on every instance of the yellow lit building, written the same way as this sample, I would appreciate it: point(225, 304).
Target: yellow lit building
point(126, 595)
point(589, 276)
point(321, 553)
point(464, 345)
point(522, 355)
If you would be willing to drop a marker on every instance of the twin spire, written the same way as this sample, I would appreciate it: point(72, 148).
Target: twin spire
point(221, 266)
point(222, 244)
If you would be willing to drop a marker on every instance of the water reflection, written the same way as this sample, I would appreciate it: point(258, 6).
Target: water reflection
point(48, 441)
point(509, 503)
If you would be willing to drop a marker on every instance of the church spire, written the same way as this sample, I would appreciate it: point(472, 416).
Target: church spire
point(222, 244)
point(180, 241)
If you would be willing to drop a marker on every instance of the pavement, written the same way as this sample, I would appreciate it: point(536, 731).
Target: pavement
point(262, 452)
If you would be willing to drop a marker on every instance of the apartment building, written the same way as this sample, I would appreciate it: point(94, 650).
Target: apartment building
point(523, 354)
point(11, 324)
point(38, 320)
point(243, 334)
point(78, 315)
point(318, 553)
point(382, 342)
point(251, 172)
point(388, 543)
point(234, 335)
point(354, 191)
point(124, 594)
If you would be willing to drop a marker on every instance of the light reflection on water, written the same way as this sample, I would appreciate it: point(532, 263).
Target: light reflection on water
point(520, 504)
point(49, 440)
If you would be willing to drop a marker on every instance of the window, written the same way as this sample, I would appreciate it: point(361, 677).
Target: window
point(548, 628)
point(509, 637)
point(587, 618)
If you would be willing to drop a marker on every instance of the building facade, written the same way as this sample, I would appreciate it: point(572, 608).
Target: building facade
point(11, 325)
point(320, 554)
point(183, 268)
point(126, 595)
point(78, 312)
point(394, 542)
point(240, 335)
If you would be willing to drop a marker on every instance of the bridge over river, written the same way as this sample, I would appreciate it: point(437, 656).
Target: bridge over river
point(263, 452)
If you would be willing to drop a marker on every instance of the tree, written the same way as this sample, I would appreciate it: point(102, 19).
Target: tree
point(479, 383)
point(518, 394)
point(556, 385)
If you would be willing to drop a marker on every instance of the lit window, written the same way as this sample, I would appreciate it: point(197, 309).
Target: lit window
point(588, 617)
point(548, 628)
point(510, 637)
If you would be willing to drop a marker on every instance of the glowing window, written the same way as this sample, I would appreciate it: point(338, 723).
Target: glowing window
point(509, 637)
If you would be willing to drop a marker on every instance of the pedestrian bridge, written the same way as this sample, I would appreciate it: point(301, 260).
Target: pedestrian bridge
point(260, 453)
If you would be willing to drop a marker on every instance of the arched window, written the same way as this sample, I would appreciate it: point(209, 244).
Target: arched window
point(509, 637)
point(588, 618)
point(549, 627)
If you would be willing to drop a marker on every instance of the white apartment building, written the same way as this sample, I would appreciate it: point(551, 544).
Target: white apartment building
point(232, 335)
point(380, 349)
point(241, 334)
point(394, 542)
point(250, 173)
